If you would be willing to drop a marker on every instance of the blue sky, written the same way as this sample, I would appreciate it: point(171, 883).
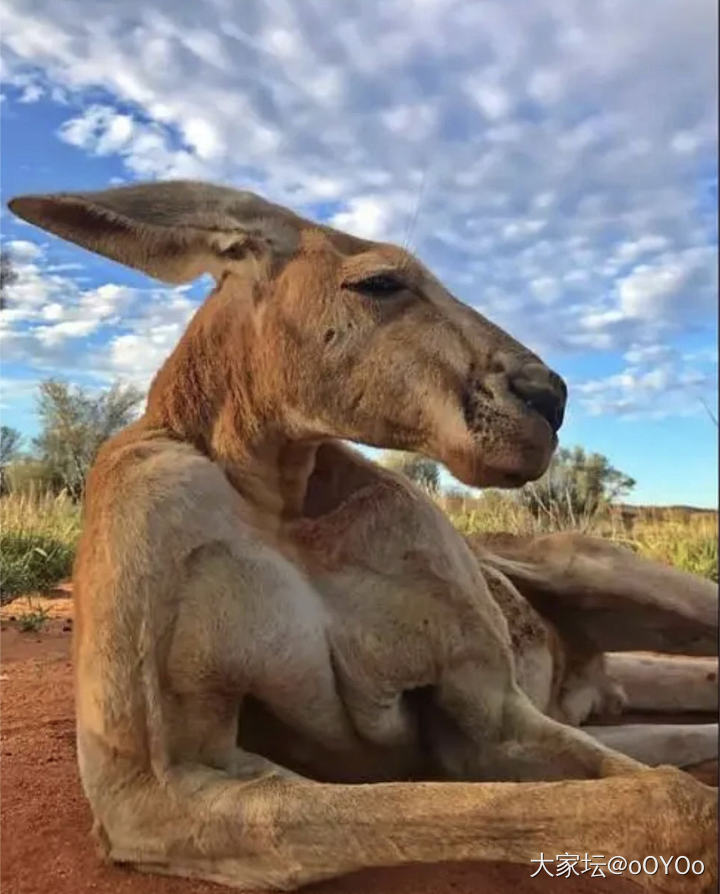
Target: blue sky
point(553, 162)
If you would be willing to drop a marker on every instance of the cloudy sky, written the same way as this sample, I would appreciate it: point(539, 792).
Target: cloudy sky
point(553, 162)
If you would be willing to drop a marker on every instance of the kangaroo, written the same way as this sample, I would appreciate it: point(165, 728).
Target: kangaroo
point(211, 606)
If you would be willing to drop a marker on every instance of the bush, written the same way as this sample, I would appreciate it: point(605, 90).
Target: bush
point(419, 469)
point(689, 543)
point(32, 562)
point(31, 478)
point(686, 539)
point(75, 422)
point(38, 536)
point(33, 621)
point(576, 489)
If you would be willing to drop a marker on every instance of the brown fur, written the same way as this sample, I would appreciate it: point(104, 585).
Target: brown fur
point(240, 570)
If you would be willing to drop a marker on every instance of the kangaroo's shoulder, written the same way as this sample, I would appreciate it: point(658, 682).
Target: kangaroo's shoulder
point(151, 493)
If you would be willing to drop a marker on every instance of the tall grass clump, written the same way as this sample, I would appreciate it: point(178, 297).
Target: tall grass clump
point(490, 513)
point(39, 531)
point(687, 541)
point(38, 536)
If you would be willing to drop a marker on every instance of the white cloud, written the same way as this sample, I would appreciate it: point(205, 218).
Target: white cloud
point(545, 85)
point(655, 292)
point(154, 330)
point(549, 153)
point(601, 319)
point(646, 244)
point(146, 148)
point(493, 101)
point(546, 289)
point(415, 122)
point(639, 353)
point(203, 138)
point(646, 288)
point(32, 93)
point(281, 42)
point(49, 315)
point(521, 229)
point(53, 312)
point(367, 216)
point(22, 251)
point(51, 336)
point(659, 381)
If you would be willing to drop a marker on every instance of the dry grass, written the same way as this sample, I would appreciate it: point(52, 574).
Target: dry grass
point(680, 537)
point(38, 536)
point(39, 533)
point(686, 541)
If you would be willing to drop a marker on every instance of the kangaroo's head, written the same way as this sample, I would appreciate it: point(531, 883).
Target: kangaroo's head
point(323, 335)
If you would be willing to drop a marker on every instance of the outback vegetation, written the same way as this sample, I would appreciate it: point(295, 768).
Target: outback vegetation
point(579, 492)
point(8, 275)
point(40, 506)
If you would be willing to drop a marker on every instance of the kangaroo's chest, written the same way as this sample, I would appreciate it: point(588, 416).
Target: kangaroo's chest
point(405, 594)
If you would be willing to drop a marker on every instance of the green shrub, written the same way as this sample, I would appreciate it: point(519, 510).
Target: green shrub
point(687, 543)
point(32, 562)
point(38, 536)
point(33, 621)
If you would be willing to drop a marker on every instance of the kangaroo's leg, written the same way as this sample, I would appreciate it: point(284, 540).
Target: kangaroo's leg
point(606, 596)
point(271, 832)
point(477, 737)
point(679, 744)
point(196, 805)
point(164, 661)
point(215, 812)
point(665, 683)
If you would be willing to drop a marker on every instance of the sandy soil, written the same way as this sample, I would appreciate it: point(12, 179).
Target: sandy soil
point(45, 820)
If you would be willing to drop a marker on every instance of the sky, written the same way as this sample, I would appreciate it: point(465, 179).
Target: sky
point(553, 162)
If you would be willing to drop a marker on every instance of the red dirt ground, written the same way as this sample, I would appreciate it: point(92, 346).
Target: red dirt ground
point(45, 820)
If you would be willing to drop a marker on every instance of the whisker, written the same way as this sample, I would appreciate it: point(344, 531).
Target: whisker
point(413, 220)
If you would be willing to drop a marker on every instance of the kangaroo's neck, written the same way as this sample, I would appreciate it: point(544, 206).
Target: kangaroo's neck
point(220, 393)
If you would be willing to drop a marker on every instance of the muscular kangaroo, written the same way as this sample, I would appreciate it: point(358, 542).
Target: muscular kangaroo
point(207, 607)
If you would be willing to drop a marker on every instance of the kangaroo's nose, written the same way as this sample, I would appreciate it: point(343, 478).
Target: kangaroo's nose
point(542, 390)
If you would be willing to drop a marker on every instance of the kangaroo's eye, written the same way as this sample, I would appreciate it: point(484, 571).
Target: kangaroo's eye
point(383, 285)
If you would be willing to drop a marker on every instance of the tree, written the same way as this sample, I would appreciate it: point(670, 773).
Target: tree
point(30, 477)
point(10, 441)
point(423, 471)
point(575, 488)
point(75, 424)
point(8, 275)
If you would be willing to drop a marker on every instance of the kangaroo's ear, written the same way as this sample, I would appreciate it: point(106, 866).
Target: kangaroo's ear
point(173, 231)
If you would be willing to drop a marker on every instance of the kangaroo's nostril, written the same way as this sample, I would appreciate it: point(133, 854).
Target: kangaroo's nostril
point(541, 390)
point(548, 406)
point(559, 383)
